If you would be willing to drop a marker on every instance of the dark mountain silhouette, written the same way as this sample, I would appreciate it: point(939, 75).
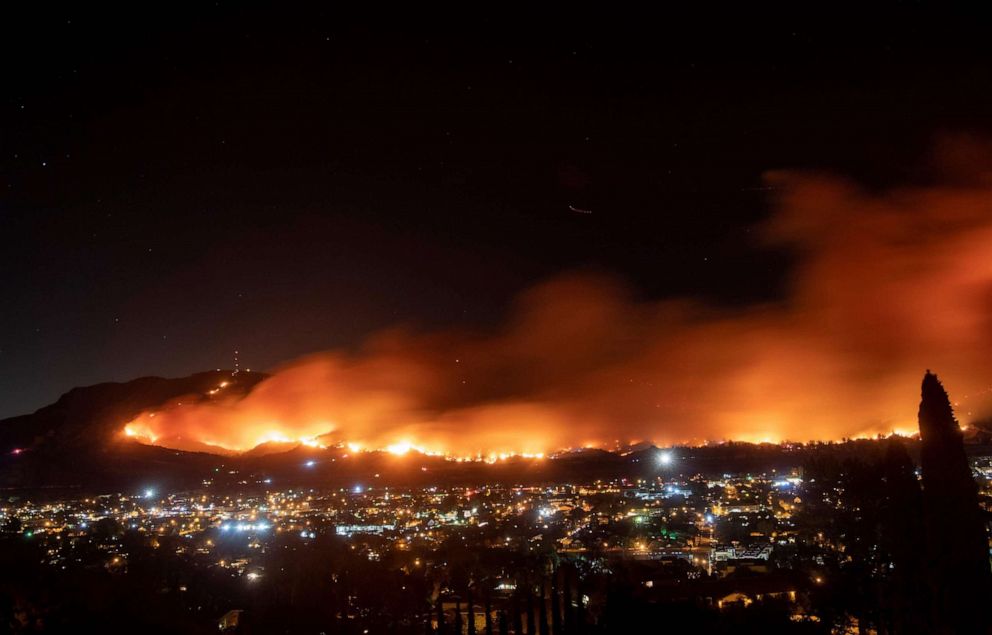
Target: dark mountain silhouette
point(77, 443)
point(956, 534)
point(77, 440)
point(94, 415)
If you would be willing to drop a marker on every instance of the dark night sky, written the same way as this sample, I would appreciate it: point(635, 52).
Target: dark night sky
point(177, 184)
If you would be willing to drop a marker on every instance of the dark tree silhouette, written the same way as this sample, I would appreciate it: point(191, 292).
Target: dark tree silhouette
point(504, 627)
point(470, 609)
point(566, 599)
point(555, 605)
point(531, 623)
point(489, 611)
point(516, 612)
point(542, 611)
point(956, 536)
point(904, 598)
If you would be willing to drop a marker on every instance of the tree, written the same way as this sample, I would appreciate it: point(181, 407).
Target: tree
point(957, 540)
point(471, 611)
point(555, 605)
point(489, 610)
point(904, 599)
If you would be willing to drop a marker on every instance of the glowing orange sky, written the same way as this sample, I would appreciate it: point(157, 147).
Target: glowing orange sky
point(887, 284)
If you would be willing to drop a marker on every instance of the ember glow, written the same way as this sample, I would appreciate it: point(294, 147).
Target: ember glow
point(885, 285)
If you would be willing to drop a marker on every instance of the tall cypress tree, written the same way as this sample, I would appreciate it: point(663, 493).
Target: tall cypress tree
point(555, 605)
point(440, 616)
point(566, 600)
point(542, 612)
point(531, 625)
point(470, 612)
point(518, 624)
point(956, 535)
point(580, 610)
point(905, 600)
point(489, 610)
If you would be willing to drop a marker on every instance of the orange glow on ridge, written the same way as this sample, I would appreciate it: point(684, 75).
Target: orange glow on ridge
point(886, 285)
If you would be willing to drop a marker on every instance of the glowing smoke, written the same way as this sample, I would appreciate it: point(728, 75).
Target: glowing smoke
point(886, 285)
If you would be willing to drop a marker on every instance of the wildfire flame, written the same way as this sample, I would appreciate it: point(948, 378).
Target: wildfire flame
point(886, 284)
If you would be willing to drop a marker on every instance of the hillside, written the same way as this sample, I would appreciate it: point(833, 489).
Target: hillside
point(76, 443)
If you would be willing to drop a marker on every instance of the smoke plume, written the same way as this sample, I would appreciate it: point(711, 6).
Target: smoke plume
point(886, 284)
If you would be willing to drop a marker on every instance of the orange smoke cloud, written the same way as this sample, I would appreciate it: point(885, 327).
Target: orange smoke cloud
point(886, 285)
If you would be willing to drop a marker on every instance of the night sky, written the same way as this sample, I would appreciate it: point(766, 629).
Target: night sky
point(177, 184)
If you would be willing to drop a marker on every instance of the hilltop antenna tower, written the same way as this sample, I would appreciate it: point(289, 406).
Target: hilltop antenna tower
point(237, 365)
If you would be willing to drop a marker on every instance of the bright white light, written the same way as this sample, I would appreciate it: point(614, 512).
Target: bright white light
point(358, 489)
point(310, 463)
point(149, 493)
point(665, 458)
point(253, 576)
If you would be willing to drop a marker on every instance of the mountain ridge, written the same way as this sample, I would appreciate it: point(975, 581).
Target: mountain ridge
point(77, 442)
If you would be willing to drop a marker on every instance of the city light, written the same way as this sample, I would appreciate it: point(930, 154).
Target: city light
point(670, 520)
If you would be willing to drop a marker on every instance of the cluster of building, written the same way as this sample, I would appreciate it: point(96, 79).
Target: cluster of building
point(710, 524)
point(724, 541)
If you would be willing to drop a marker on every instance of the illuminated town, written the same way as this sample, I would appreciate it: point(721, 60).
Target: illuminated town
point(676, 530)
point(481, 556)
